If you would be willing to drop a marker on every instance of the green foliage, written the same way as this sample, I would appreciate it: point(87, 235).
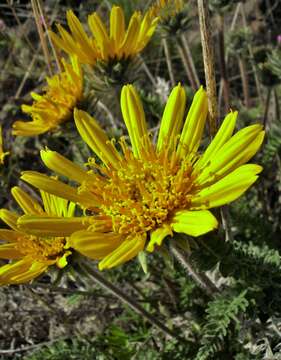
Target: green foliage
point(72, 349)
point(275, 62)
point(221, 314)
point(238, 40)
point(272, 147)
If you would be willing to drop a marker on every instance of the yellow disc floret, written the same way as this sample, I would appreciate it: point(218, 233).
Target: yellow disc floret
point(41, 249)
point(143, 194)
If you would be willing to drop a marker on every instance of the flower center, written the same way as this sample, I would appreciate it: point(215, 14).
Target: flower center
point(143, 194)
point(41, 249)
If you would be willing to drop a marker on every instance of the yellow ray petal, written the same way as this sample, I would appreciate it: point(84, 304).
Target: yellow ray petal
point(93, 244)
point(9, 218)
point(63, 166)
point(223, 135)
point(99, 32)
point(147, 28)
point(10, 235)
point(227, 189)
point(8, 271)
point(96, 138)
point(35, 270)
point(78, 32)
point(54, 205)
point(134, 118)
point(194, 125)
point(28, 204)
point(172, 118)
point(29, 128)
point(52, 226)
point(117, 26)
point(8, 251)
point(157, 236)
point(125, 252)
point(194, 223)
point(56, 187)
point(236, 151)
point(66, 42)
point(131, 36)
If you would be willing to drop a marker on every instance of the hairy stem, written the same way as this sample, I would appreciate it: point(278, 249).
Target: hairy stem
point(200, 278)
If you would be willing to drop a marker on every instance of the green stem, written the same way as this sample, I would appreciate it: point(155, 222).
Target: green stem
point(126, 299)
point(200, 278)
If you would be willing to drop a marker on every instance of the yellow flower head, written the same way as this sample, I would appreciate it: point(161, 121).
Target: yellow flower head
point(117, 44)
point(148, 191)
point(48, 111)
point(165, 9)
point(30, 253)
point(2, 153)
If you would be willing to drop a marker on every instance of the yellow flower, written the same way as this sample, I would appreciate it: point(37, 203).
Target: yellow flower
point(150, 191)
point(2, 153)
point(165, 9)
point(32, 254)
point(117, 44)
point(49, 110)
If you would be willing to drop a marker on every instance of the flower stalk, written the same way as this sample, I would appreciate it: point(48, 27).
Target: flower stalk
point(200, 278)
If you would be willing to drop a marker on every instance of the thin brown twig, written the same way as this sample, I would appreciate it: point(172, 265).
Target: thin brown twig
point(168, 61)
point(186, 61)
point(147, 71)
point(47, 27)
point(40, 30)
point(190, 57)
